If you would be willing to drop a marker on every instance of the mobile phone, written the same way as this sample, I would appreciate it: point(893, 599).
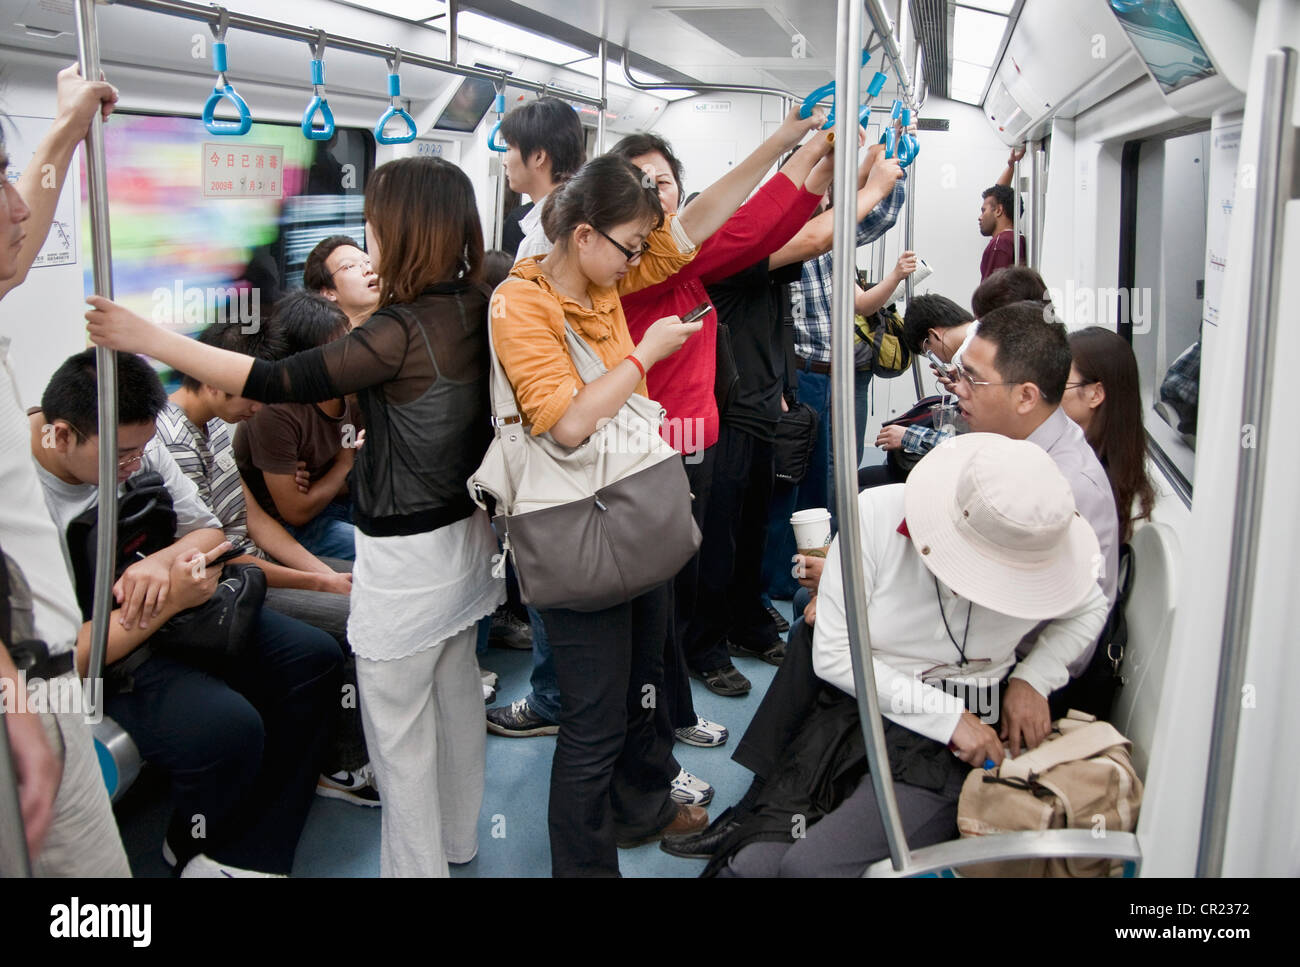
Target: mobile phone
point(698, 313)
point(947, 370)
point(229, 555)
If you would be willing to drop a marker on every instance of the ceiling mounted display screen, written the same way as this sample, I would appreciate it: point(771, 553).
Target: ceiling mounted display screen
point(467, 106)
point(1165, 41)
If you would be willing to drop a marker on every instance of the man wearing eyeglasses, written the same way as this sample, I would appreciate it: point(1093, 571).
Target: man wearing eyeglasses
point(1011, 376)
point(342, 273)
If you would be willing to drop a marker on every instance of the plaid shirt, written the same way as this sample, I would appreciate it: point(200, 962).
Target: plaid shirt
point(812, 327)
point(922, 439)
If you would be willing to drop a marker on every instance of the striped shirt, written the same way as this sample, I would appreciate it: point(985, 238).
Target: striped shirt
point(811, 295)
point(207, 457)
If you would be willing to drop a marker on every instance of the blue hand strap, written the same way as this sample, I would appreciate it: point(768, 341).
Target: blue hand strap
point(828, 91)
point(394, 107)
point(498, 105)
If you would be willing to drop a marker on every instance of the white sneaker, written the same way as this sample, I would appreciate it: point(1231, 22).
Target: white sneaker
point(203, 867)
point(691, 790)
point(357, 787)
point(705, 734)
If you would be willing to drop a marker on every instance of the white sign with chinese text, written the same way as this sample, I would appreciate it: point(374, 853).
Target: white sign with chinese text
point(242, 170)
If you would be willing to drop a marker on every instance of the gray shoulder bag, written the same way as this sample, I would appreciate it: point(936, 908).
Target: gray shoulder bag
point(591, 526)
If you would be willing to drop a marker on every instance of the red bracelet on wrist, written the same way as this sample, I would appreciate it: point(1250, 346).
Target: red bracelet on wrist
point(637, 363)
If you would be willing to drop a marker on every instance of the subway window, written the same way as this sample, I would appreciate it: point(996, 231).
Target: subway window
point(1167, 290)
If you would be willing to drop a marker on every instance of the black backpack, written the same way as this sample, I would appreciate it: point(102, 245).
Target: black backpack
point(214, 636)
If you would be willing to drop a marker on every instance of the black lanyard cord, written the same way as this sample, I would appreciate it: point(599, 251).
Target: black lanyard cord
point(961, 649)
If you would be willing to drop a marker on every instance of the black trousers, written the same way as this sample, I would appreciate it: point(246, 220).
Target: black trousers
point(677, 706)
point(729, 599)
point(612, 768)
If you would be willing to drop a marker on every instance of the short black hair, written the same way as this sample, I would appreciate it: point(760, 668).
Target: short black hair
point(547, 124)
point(1002, 195)
point(1031, 347)
point(72, 394)
point(1015, 283)
point(635, 145)
point(301, 321)
point(605, 192)
point(314, 274)
point(496, 266)
point(931, 311)
point(227, 336)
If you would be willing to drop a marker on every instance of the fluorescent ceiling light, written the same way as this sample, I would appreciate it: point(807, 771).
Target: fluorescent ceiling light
point(996, 6)
point(672, 94)
point(418, 10)
point(967, 82)
point(503, 36)
point(976, 36)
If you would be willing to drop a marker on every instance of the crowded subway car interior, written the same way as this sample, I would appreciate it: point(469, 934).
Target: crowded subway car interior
point(480, 438)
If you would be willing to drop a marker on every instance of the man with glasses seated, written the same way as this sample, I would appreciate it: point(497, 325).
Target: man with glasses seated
point(243, 752)
point(1012, 375)
point(342, 273)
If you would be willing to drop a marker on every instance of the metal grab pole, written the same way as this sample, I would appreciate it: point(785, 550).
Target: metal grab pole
point(848, 47)
point(1275, 171)
point(1031, 224)
point(453, 34)
point(105, 363)
point(909, 245)
point(602, 51)
point(1015, 213)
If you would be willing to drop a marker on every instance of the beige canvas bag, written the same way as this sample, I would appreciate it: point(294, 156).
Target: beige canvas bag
point(1080, 777)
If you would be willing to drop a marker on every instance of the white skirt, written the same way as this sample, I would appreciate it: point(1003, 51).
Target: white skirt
point(412, 592)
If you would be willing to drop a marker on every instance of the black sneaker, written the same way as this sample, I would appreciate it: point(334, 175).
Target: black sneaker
point(510, 631)
point(519, 720)
point(357, 787)
point(782, 626)
point(725, 681)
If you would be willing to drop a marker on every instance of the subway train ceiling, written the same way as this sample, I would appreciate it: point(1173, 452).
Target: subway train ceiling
point(784, 44)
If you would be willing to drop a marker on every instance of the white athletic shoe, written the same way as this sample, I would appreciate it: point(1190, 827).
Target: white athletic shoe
point(203, 867)
point(705, 734)
point(690, 790)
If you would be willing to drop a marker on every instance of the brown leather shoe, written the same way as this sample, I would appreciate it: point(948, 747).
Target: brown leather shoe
point(689, 819)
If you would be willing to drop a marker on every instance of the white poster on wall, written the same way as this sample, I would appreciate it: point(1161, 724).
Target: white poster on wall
point(21, 139)
point(1225, 145)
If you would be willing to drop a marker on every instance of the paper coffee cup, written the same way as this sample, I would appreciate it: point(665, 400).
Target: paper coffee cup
point(812, 531)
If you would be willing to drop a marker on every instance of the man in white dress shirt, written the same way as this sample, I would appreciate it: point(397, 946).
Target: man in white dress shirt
point(544, 147)
point(980, 545)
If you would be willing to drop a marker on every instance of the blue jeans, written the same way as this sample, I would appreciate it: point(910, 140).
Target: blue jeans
point(544, 699)
point(817, 488)
point(329, 533)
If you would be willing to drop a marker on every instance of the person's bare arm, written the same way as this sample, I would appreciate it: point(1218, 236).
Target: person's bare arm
point(1010, 170)
point(144, 587)
point(704, 216)
point(42, 179)
point(816, 237)
point(299, 508)
point(37, 769)
point(867, 301)
point(269, 534)
point(191, 584)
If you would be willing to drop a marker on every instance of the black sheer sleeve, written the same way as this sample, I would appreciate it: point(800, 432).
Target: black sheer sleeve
point(369, 355)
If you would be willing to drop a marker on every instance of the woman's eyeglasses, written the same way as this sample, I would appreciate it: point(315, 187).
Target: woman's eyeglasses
point(628, 254)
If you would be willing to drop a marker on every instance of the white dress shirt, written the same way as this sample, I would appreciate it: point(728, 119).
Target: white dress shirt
point(911, 646)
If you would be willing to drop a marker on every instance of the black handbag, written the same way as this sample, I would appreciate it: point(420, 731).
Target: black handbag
point(215, 635)
point(921, 414)
point(796, 438)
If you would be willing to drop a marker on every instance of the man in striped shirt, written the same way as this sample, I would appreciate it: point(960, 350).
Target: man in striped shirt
point(193, 427)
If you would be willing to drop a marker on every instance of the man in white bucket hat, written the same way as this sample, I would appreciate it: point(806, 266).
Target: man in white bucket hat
point(980, 545)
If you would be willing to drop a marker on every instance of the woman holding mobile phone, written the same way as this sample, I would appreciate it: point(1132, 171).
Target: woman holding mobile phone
point(612, 770)
point(419, 366)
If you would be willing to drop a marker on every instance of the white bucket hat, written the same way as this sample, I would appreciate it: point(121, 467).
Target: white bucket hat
point(994, 519)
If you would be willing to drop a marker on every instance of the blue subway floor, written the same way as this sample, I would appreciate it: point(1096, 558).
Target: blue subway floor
point(342, 840)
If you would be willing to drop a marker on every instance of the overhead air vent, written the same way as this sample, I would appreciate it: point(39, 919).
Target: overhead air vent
point(746, 31)
point(930, 20)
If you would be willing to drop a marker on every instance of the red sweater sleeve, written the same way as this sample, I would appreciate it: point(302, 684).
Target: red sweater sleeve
point(779, 211)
